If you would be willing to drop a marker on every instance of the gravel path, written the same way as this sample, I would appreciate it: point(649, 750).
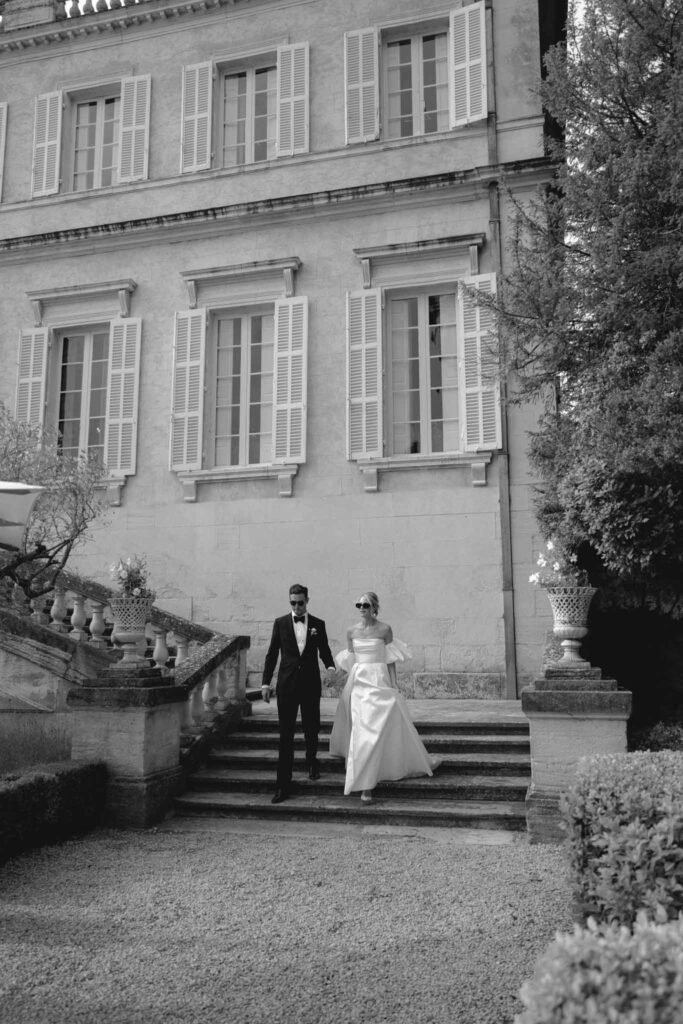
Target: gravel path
point(229, 923)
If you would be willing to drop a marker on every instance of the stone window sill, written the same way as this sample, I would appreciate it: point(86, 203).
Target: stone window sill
point(284, 474)
point(476, 462)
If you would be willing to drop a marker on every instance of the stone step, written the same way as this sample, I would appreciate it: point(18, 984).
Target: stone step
point(266, 723)
point(458, 761)
point(436, 787)
point(385, 810)
point(436, 742)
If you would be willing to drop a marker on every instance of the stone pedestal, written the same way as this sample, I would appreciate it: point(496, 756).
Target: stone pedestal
point(132, 723)
point(571, 715)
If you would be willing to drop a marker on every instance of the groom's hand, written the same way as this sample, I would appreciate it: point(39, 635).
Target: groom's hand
point(331, 672)
point(265, 694)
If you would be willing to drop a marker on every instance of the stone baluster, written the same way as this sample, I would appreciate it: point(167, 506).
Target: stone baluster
point(78, 619)
point(197, 706)
point(87, 7)
point(222, 684)
point(182, 644)
point(97, 624)
point(58, 611)
point(186, 719)
point(210, 693)
point(160, 652)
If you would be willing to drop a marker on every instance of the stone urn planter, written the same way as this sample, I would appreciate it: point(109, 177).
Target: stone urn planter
point(131, 615)
point(570, 606)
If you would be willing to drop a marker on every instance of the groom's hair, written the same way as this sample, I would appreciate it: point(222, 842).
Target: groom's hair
point(299, 588)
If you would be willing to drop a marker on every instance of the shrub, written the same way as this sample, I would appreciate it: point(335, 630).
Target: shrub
point(623, 817)
point(48, 803)
point(661, 736)
point(605, 973)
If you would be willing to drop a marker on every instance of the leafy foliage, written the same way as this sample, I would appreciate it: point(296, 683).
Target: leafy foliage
point(608, 973)
point(62, 514)
point(624, 823)
point(593, 310)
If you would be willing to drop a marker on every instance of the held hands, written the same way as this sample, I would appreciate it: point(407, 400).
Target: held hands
point(331, 672)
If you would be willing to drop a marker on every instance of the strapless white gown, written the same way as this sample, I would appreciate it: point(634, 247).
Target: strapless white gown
point(372, 726)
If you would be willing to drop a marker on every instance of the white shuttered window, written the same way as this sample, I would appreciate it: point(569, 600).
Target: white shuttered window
point(417, 79)
point(364, 373)
point(47, 139)
point(240, 387)
point(422, 371)
point(247, 111)
point(84, 385)
point(188, 389)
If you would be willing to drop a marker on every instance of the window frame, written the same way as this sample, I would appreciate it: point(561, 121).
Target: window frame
point(188, 456)
point(366, 94)
point(478, 386)
point(422, 295)
point(54, 135)
point(413, 34)
point(202, 128)
point(38, 384)
point(244, 313)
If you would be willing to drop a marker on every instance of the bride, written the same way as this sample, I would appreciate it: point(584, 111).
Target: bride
point(372, 727)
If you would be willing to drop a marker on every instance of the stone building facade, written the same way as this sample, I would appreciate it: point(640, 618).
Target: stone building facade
point(240, 248)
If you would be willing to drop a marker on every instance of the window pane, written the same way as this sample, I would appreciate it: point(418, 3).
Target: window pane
point(96, 143)
point(260, 389)
point(227, 391)
point(249, 116)
point(234, 120)
point(435, 83)
point(399, 100)
point(83, 391)
point(443, 394)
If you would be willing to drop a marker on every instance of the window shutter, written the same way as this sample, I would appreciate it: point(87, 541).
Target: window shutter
point(47, 137)
point(467, 64)
point(292, 99)
point(362, 85)
point(196, 127)
point(187, 416)
point(289, 384)
point(3, 137)
point(31, 378)
point(134, 141)
point(364, 373)
point(479, 362)
point(120, 442)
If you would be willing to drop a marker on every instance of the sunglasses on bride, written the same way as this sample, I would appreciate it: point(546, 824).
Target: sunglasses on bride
point(363, 604)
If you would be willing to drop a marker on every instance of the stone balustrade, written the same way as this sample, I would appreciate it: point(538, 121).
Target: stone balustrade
point(180, 649)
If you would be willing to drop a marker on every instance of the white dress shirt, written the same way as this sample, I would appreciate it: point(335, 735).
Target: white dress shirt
point(300, 632)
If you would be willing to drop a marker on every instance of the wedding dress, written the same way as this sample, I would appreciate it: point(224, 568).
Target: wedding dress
point(372, 726)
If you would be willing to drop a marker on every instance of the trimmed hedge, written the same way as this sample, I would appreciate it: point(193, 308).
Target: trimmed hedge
point(605, 973)
point(623, 818)
point(48, 803)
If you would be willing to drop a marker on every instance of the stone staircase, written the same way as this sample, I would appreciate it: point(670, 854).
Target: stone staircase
point(481, 782)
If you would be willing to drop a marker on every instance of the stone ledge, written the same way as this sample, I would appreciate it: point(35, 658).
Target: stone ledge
point(117, 697)
point(574, 683)
point(577, 703)
point(458, 685)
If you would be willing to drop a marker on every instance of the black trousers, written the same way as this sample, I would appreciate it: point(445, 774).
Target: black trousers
point(288, 707)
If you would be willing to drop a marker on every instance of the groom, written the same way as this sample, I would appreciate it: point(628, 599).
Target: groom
point(299, 639)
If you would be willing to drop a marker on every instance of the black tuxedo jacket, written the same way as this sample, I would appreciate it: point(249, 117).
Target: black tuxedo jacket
point(297, 671)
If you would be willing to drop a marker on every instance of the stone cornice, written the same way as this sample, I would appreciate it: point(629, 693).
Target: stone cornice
point(144, 12)
point(184, 225)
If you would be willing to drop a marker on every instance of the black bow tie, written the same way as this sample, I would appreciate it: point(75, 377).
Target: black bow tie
point(299, 618)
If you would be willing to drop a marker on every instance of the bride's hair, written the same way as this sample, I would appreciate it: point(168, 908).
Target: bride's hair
point(374, 601)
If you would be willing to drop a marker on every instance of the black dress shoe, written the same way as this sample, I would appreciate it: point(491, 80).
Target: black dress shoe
point(314, 772)
point(280, 795)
